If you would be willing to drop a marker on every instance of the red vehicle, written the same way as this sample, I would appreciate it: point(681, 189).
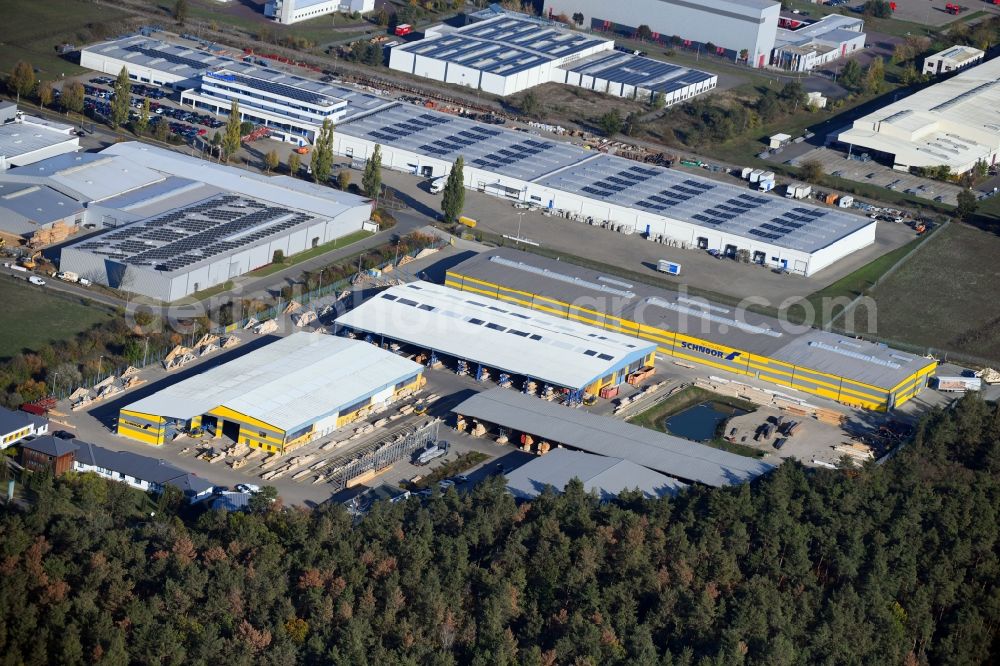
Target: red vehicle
point(403, 29)
point(952, 8)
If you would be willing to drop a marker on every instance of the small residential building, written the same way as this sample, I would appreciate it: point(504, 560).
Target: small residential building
point(16, 425)
point(952, 59)
point(606, 476)
point(48, 454)
point(141, 472)
point(813, 45)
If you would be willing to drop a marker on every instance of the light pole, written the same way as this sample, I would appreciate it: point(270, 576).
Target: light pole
point(100, 366)
point(55, 381)
point(359, 262)
point(520, 218)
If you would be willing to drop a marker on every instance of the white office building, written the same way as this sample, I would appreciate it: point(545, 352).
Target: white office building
point(952, 59)
point(294, 11)
point(292, 107)
point(731, 26)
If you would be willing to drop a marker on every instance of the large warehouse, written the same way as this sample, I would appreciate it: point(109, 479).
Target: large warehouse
point(731, 26)
point(850, 371)
point(509, 53)
point(606, 436)
point(816, 44)
point(151, 60)
point(278, 396)
point(500, 337)
point(502, 56)
point(176, 225)
point(951, 123)
point(689, 210)
point(27, 139)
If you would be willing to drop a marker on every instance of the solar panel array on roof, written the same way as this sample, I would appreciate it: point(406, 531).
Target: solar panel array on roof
point(163, 55)
point(639, 72)
point(504, 157)
point(186, 236)
point(407, 127)
point(284, 90)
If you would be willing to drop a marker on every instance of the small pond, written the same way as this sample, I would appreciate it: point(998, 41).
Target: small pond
point(701, 422)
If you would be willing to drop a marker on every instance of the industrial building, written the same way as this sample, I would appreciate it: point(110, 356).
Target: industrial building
point(637, 77)
point(293, 11)
point(813, 45)
point(743, 29)
point(502, 55)
point(175, 224)
point(27, 139)
point(952, 59)
point(276, 397)
point(484, 334)
point(850, 371)
point(292, 107)
point(951, 123)
point(151, 61)
point(605, 476)
point(27, 208)
point(683, 208)
point(578, 429)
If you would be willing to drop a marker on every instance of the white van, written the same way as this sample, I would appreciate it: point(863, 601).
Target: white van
point(437, 185)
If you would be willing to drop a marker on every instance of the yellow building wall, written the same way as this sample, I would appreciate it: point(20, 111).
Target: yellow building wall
point(148, 433)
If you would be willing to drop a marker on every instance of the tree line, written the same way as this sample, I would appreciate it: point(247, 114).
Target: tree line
point(889, 564)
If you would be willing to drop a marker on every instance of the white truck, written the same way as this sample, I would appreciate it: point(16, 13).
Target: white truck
point(668, 267)
point(432, 451)
point(67, 276)
point(958, 384)
point(437, 184)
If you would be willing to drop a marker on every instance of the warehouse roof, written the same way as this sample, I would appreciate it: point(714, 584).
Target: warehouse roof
point(831, 29)
point(950, 123)
point(192, 235)
point(445, 137)
point(708, 203)
point(180, 61)
point(498, 335)
point(958, 53)
point(26, 207)
point(288, 383)
point(285, 191)
point(92, 176)
point(273, 82)
point(610, 437)
point(606, 476)
point(21, 138)
point(615, 180)
point(866, 362)
point(633, 70)
point(503, 45)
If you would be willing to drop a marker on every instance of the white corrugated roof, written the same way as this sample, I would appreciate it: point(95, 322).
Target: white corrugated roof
point(497, 334)
point(288, 383)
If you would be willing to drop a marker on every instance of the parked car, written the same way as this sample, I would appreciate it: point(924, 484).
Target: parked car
point(34, 279)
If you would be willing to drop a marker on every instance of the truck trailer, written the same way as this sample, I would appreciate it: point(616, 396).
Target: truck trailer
point(958, 384)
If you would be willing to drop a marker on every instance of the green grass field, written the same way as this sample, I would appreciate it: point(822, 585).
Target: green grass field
point(34, 316)
point(944, 297)
point(33, 29)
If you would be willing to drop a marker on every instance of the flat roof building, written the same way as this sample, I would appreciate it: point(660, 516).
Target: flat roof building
point(685, 209)
point(607, 477)
point(502, 55)
point(682, 459)
point(816, 44)
point(294, 11)
point(951, 123)
point(150, 60)
point(292, 107)
point(636, 77)
point(278, 396)
point(27, 139)
point(731, 26)
point(952, 59)
point(181, 224)
point(500, 336)
point(693, 330)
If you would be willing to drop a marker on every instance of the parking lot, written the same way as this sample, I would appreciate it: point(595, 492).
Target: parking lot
point(836, 163)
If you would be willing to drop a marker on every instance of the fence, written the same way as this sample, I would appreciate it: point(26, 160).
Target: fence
point(381, 453)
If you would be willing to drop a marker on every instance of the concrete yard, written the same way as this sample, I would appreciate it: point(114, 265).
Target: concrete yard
point(836, 163)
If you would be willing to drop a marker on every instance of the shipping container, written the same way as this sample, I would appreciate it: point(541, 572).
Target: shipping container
point(755, 175)
point(668, 267)
point(845, 201)
point(958, 384)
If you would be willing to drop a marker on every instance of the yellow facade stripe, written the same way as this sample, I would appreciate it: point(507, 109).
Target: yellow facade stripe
point(233, 415)
point(149, 417)
point(154, 437)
